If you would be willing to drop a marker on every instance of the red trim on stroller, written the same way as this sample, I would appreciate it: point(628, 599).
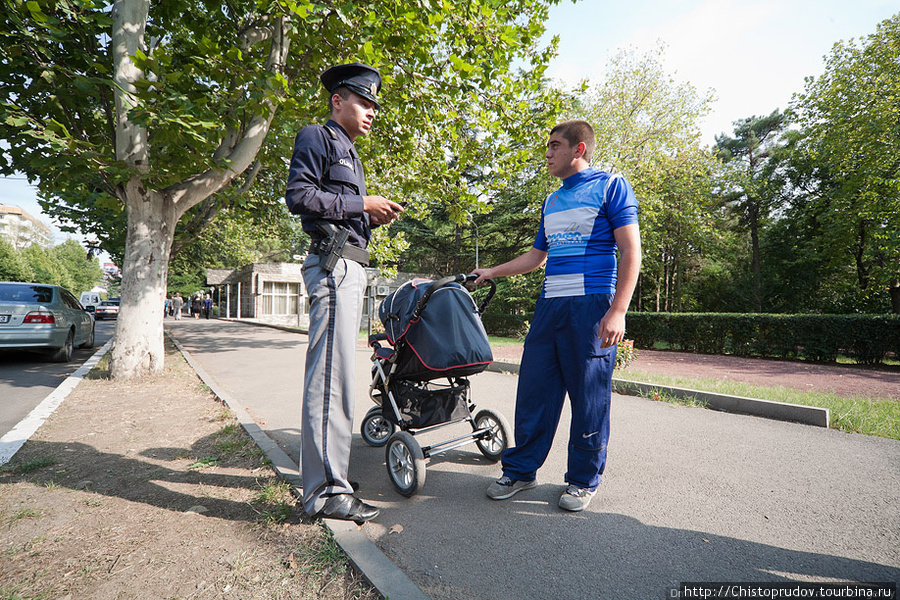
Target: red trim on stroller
point(430, 368)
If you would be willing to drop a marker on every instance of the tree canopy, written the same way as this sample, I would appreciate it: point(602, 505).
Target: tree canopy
point(67, 265)
point(648, 128)
point(846, 171)
point(144, 124)
point(751, 185)
point(131, 115)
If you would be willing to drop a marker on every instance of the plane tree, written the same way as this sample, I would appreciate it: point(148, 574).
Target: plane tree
point(128, 115)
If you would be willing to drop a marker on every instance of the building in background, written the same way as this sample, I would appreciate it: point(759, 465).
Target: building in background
point(274, 293)
point(21, 229)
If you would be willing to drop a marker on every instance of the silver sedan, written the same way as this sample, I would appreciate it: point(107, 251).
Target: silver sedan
point(45, 318)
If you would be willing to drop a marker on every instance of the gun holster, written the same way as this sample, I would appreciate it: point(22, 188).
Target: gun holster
point(332, 245)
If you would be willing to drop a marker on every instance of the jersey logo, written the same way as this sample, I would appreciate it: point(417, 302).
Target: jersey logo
point(569, 235)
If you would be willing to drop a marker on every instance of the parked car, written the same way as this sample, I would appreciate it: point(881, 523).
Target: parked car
point(45, 318)
point(108, 309)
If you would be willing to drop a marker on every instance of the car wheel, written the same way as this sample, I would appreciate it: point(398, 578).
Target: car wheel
point(64, 354)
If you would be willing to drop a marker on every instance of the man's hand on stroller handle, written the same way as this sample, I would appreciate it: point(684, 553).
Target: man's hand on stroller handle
point(480, 276)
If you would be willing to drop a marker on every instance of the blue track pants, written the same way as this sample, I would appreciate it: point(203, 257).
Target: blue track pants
point(563, 355)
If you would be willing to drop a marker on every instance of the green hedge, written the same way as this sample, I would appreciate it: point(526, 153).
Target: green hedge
point(501, 325)
point(866, 339)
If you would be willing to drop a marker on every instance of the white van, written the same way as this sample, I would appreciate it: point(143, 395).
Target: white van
point(90, 300)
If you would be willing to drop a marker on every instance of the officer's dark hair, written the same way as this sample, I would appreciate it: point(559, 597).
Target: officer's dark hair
point(576, 132)
point(342, 91)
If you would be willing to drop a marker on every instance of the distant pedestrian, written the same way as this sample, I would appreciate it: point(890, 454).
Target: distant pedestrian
point(177, 305)
point(195, 306)
point(207, 306)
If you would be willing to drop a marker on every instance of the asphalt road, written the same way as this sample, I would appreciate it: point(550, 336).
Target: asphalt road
point(27, 378)
point(689, 494)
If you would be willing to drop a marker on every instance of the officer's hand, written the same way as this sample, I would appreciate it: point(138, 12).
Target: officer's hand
point(381, 210)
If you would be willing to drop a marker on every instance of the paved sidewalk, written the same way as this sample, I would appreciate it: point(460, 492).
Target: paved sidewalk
point(689, 494)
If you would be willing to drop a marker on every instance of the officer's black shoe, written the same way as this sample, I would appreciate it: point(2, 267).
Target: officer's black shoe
point(348, 507)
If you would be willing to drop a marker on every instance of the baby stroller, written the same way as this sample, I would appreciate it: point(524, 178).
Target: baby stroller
point(434, 333)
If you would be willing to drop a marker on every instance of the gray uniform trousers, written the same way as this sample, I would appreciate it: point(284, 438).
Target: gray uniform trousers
point(335, 310)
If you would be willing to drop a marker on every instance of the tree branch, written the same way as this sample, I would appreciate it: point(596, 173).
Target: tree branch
point(195, 189)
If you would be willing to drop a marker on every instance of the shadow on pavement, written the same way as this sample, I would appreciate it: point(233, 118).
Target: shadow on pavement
point(614, 555)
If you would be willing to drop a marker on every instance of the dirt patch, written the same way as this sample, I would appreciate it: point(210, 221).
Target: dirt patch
point(150, 489)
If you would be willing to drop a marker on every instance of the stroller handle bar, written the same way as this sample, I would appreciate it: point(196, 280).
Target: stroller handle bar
point(435, 286)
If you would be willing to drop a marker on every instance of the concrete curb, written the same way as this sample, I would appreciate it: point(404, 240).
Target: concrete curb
point(287, 328)
point(377, 568)
point(780, 411)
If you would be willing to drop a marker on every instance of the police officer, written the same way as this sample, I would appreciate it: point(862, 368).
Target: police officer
point(326, 187)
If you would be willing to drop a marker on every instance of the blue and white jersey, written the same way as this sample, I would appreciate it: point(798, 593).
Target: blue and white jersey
point(577, 224)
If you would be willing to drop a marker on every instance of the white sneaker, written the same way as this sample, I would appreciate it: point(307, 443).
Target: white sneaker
point(506, 487)
point(575, 498)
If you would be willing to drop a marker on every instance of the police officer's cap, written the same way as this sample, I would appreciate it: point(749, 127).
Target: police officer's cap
point(357, 77)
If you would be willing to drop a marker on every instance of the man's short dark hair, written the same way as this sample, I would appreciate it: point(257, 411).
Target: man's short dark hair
point(576, 132)
point(343, 92)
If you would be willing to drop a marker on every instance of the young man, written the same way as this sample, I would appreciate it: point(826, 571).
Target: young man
point(578, 320)
point(326, 185)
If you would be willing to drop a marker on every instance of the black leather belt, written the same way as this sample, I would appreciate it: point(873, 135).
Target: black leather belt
point(349, 251)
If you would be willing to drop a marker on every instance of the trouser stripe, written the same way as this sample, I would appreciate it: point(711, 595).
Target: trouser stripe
point(329, 363)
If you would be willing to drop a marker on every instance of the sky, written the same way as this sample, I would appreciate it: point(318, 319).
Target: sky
point(754, 54)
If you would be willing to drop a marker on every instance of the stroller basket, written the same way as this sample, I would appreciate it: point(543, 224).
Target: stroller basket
point(421, 406)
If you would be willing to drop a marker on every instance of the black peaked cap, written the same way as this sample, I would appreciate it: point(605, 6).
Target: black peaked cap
point(357, 77)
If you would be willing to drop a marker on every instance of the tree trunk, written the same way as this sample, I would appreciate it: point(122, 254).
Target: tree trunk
point(640, 293)
point(859, 256)
point(138, 348)
point(753, 218)
point(894, 290)
point(679, 279)
point(138, 344)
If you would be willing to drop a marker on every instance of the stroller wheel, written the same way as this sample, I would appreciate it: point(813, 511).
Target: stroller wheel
point(498, 437)
point(375, 429)
point(405, 463)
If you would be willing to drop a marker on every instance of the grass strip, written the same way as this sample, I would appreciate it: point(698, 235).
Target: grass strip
point(857, 414)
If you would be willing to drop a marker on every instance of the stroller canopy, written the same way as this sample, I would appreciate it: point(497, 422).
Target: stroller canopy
point(446, 339)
